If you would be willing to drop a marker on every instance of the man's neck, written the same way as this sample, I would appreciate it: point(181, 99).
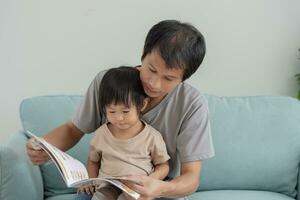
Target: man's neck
point(152, 103)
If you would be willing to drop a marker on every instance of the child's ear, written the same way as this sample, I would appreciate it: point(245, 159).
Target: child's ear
point(146, 100)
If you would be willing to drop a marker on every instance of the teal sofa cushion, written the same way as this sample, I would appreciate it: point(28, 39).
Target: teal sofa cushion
point(238, 195)
point(42, 114)
point(257, 144)
point(19, 179)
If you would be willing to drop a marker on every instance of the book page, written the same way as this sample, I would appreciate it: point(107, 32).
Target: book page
point(71, 169)
point(111, 180)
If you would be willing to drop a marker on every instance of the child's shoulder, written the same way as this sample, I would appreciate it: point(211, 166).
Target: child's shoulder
point(101, 130)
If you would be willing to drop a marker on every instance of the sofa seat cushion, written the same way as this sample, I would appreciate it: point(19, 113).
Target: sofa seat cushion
point(214, 195)
point(62, 197)
point(238, 195)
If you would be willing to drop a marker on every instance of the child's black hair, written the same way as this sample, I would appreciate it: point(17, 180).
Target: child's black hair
point(121, 85)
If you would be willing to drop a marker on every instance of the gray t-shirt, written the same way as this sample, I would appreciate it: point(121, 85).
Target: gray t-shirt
point(181, 117)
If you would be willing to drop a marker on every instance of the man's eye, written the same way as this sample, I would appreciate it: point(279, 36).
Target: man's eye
point(112, 112)
point(152, 70)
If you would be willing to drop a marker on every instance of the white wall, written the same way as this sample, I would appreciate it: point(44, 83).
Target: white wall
point(57, 46)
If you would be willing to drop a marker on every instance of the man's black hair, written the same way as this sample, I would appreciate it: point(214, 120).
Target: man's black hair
point(180, 45)
point(121, 85)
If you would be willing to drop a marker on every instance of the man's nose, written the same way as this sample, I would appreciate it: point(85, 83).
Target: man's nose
point(154, 83)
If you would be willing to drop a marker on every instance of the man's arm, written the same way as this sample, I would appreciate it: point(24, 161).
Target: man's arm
point(185, 184)
point(63, 137)
point(180, 186)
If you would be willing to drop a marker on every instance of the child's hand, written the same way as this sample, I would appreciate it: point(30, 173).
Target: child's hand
point(88, 189)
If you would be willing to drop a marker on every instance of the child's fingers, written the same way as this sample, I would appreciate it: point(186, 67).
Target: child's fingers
point(92, 189)
point(88, 190)
point(79, 190)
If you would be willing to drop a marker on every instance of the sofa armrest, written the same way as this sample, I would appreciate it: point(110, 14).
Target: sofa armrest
point(19, 178)
point(298, 186)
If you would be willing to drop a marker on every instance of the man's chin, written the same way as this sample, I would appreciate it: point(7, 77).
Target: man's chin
point(153, 94)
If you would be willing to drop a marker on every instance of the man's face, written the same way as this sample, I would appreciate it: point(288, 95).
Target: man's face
point(157, 79)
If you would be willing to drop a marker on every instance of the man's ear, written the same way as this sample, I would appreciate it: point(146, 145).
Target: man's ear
point(146, 101)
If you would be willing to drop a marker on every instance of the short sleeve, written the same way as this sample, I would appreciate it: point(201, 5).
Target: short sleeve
point(87, 117)
point(94, 154)
point(194, 141)
point(159, 152)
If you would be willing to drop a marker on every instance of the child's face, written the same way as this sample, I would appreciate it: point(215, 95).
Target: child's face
point(121, 116)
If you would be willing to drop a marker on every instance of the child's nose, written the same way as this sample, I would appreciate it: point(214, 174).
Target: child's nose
point(120, 117)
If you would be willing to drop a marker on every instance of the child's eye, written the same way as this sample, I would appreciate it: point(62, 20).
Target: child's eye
point(111, 111)
point(126, 111)
point(152, 70)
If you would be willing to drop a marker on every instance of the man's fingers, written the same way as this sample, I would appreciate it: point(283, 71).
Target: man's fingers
point(132, 180)
point(37, 153)
point(38, 161)
point(139, 188)
point(37, 157)
point(127, 197)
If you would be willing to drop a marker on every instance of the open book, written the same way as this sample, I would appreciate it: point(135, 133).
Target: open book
point(73, 171)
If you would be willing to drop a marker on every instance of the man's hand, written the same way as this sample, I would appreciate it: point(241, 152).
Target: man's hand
point(63, 137)
point(36, 155)
point(126, 196)
point(147, 187)
point(180, 186)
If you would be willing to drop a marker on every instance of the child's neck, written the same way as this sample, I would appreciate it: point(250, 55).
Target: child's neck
point(125, 134)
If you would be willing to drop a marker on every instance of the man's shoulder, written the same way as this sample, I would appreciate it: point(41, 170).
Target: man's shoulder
point(185, 93)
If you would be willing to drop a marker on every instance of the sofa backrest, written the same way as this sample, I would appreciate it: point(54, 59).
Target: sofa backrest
point(256, 139)
point(257, 144)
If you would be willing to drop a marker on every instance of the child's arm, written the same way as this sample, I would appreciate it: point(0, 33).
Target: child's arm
point(160, 171)
point(159, 157)
point(93, 168)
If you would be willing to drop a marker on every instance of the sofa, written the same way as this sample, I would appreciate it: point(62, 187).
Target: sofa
point(256, 139)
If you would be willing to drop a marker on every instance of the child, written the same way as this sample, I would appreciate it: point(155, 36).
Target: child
point(124, 145)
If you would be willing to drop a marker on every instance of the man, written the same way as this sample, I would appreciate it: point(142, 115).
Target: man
point(173, 51)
